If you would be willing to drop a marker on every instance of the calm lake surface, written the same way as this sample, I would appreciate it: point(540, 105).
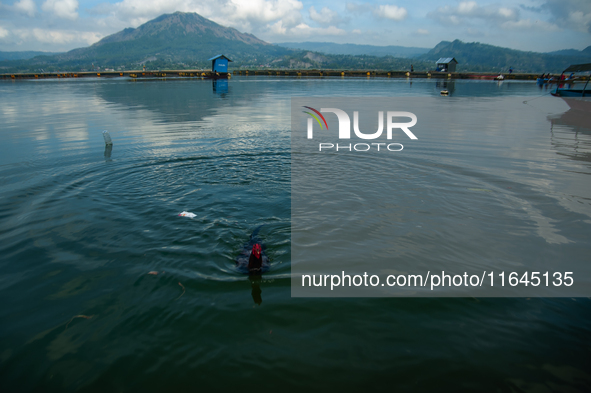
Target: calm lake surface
point(81, 226)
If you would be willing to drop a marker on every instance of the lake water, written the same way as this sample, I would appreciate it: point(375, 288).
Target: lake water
point(82, 226)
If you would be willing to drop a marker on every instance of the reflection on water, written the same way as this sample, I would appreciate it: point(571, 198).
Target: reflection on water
point(108, 151)
point(220, 86)
point(255, 281)
point(450, 86)
point(571, 134)
point(175, 101)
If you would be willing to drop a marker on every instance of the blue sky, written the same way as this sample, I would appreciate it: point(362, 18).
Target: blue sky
point(534, 25)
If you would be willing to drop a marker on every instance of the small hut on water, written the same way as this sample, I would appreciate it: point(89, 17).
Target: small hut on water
point(219, 64)
point(446, 64)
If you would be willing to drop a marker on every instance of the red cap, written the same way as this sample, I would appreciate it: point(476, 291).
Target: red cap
point(256, 250)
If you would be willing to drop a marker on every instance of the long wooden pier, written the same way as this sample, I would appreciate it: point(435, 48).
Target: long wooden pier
point(138, 74)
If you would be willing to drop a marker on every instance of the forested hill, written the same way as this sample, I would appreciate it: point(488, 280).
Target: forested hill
point(23, 55)
point(357, 50)
point(482, 57)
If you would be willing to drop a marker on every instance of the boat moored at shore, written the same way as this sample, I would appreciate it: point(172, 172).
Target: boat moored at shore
point(567, 91)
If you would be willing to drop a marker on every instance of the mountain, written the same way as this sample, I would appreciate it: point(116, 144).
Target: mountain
point(355, 50)
point(572, 52)
point(186, 40)
point(23, 55)
point(171, 39)
point(482, 57)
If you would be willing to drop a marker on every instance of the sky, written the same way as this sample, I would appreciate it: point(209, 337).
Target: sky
point(531, 25)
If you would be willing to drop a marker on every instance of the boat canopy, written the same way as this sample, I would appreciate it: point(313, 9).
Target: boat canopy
point(578, 68)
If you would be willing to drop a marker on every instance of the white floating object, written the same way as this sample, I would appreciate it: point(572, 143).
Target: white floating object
point(187, 214)
point(107, 138)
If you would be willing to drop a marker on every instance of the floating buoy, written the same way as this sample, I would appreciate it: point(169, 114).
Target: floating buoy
point(444, 92)
point(107, 138)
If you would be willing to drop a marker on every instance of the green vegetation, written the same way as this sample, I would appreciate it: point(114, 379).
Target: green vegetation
point(481, 57)
point(22, 55)
point(356, 50)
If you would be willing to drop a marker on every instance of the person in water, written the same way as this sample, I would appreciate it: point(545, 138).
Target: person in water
point(255, 261)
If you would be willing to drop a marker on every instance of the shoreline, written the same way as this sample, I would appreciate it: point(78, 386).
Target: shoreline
point(139, 74)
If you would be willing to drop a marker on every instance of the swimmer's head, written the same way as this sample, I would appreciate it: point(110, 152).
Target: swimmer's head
point(256, 250)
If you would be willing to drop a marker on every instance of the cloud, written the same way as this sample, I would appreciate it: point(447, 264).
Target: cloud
point(245, 15)
point(51, 36)
point(326, 16)
point(474, 32)
point(499, 16)
point(355, 8)
point(385, 11)
point(66, 9)
point(390, 12)
point(423, 32)
point(466, 11)
point(26, 7)
point(262, 11)
point(3, 32)
point(303, 30)
point(528, 25)
point(570, 14)
point(278, 28)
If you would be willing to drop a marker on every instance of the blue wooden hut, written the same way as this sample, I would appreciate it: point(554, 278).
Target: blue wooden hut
point(219, 64)
point(446, 64)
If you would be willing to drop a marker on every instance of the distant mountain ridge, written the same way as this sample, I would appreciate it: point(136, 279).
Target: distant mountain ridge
point(356, 50)
point(24, 55)
point(475, 56)
point(572, 52)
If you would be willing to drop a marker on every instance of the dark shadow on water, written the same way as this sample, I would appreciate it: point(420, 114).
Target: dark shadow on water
point(255, 281)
